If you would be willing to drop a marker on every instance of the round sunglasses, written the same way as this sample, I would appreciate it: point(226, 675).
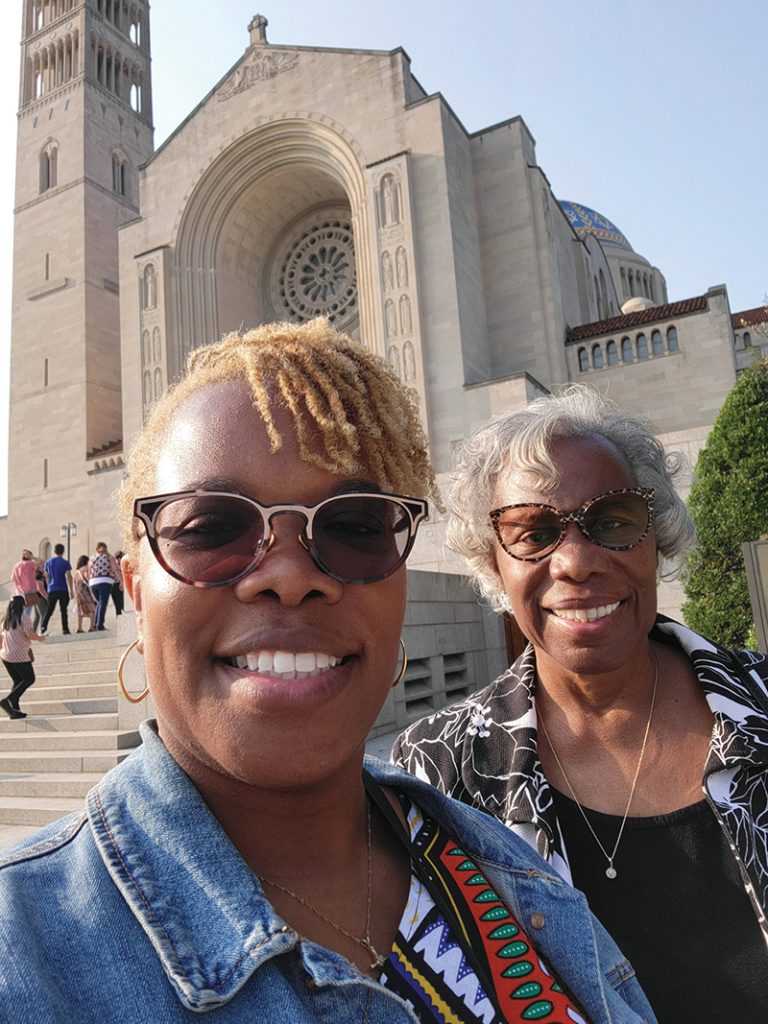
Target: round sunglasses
point(214, 538)
point(619, 520)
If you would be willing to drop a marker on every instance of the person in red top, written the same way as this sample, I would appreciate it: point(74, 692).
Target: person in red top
point(23, 575)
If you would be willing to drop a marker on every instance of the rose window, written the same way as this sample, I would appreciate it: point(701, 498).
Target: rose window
point(314, 272)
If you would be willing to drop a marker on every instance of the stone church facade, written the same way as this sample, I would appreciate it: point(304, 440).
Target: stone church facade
point(309, 181)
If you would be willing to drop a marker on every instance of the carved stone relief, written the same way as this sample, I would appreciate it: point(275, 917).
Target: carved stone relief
point(393, 357)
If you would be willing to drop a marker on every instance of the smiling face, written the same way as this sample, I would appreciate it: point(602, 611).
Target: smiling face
point(222, 663)
point(586, 609)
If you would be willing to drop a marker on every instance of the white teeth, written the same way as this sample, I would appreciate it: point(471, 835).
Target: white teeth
point(285, 661)
point(286, 664)
point(585, 614)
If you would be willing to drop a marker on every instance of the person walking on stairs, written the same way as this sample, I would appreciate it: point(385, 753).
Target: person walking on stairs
point(60, 590)
point(16, 653)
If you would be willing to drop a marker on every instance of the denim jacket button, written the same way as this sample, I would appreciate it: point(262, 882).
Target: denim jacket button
point(538, 920)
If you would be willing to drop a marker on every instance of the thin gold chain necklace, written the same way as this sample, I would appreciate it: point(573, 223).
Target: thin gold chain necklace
point(377, 960)
point(610, 871)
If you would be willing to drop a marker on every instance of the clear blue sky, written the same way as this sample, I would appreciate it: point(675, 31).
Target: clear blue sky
point(652, 113)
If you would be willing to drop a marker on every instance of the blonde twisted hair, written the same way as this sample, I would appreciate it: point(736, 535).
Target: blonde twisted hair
point(333, 387)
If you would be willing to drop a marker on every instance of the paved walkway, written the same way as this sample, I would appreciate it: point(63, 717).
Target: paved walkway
point(379, 746)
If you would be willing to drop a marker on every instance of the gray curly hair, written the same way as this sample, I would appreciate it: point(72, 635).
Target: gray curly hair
point(524, 439)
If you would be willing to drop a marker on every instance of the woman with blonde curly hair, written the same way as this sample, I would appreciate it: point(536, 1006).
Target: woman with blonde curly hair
point(245, 862)
point(629, 750)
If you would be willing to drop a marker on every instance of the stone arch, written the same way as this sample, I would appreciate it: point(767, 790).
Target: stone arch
point(225, 235)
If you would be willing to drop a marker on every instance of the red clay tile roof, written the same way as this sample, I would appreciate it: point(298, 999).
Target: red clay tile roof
point(750, 317)
point(642, 316)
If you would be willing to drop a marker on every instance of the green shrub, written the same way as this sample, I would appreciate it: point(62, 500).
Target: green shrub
point(729, 504)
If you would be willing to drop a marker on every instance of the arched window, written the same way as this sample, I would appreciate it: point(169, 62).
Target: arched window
point(626, 350)
point(119, 176)
point(612, 353)
point(746, 339)
point(623, 274)
point(583, 360)
point(641, 346)
point(48, 168)
point(657, 343)
point(597, 357)
point(672, 345)
point(603, 292)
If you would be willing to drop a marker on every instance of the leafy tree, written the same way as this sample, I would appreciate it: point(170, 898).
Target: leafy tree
point(729, 505)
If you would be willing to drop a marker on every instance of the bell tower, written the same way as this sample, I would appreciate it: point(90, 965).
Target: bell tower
point(84, 129)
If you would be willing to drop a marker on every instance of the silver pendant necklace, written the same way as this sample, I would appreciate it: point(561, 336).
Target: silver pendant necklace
point(610, 871)
point(377, 960)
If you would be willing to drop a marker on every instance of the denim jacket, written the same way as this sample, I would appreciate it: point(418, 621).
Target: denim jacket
point(139, 910)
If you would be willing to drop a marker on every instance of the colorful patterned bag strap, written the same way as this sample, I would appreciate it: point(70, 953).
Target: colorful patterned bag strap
point(377, 795)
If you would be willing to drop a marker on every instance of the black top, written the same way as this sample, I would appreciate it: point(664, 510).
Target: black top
point(678, 910)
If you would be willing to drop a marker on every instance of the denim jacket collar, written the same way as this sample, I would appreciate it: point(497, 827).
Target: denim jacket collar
point(200, 904)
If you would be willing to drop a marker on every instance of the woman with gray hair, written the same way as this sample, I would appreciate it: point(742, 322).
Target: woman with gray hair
point(630, 751)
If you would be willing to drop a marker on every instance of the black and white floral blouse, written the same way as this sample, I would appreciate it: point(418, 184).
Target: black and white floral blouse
point(483, 751)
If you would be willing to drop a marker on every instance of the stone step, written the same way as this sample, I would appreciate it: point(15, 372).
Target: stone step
point(61, 676)
point(77, 645)
point(100, 739)
point(82, 706)
point(24, 810)
point(62, 760)
point(94, 659)
point(43, 726)
point(75, 691)
point(72, 785)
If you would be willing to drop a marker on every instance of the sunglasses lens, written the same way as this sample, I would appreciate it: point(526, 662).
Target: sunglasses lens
point(529, 532)
point(617, 520)
point(361, 538)
point(209, 539)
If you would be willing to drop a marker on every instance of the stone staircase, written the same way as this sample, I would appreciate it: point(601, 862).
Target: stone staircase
point(71, 737)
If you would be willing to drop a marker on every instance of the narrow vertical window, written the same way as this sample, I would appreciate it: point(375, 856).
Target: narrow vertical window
point(583, 360)
point(45, 372)
point(45, 473)
point(47, 266)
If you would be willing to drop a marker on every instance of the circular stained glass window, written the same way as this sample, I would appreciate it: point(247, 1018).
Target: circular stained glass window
point(314, 272)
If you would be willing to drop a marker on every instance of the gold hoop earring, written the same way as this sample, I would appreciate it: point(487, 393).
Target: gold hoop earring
point(404, 666)
point(121, 668)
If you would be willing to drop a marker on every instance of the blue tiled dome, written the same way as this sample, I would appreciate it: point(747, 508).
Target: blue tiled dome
point(589, 222)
